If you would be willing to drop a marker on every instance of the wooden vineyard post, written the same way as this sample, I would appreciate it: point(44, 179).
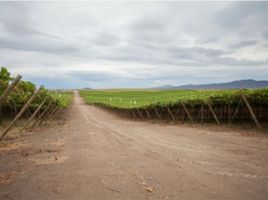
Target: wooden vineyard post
point(128, 113)
point(15, 108)
point(41, 115)
point(187, 112)
point(177, 111)
point(19, 114)
point(123, 113)
point(1, 114)
point(156, 112)
point(119, 112)
point(222, 111)
point(33, 115)
point(196, 118)
point(9, 89)
point(54, 111)
point(139, 113)
point(51, 114)
point(214, 114)
point(133, 113)
point(148, 114)
point(236, 110)
point(45, 117)
point(251, 111)
point(202, 113)
point(171, 114)
point(229, 113)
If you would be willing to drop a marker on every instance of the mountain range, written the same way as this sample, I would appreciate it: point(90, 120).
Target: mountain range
point(239, 84)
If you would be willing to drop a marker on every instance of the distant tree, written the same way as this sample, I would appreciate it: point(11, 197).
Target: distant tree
point(4, 79)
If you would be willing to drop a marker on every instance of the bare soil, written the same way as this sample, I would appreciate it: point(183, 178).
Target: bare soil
point(88, 153)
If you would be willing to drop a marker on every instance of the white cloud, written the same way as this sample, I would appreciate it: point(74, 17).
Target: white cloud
point(141, 44)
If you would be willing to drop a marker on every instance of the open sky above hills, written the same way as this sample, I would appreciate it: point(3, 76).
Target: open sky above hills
point(126, 44)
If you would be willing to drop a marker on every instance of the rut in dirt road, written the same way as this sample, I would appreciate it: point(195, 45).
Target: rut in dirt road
point(105, 157)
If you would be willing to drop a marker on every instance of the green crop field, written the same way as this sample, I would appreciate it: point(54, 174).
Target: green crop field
point(64, 98)
point(146, 98)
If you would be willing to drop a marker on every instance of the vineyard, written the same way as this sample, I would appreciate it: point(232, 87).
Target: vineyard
point(220, 106)
point(23, 106)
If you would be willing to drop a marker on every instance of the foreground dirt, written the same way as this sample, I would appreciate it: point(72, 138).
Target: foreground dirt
point(91, 154)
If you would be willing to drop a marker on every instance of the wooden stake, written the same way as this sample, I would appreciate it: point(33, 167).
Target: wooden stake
point(202, 113)
point(9, 89)
point(177, 111)
point(33, 115)
point(139, 113)
point(148, 114)
point(187, 112)
point(46, 116)
point(133, 113)
point(171, 114)
point(229, 113)
point(213, 113)
point(236, 110)
point(123, 113)
point(52, 113)
point(251, 111)
point(196, 119)
point(15, 108)
point(49, 115)
point(158, 115)
point(41, 115)
point(1, 114)
point(19, 114)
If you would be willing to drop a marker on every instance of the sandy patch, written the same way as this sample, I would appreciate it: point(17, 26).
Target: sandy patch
point(6, 178)
point(9, 146)
point(51, 160)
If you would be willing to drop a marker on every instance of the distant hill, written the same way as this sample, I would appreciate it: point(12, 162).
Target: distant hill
point(165, 87)
point(241, 84)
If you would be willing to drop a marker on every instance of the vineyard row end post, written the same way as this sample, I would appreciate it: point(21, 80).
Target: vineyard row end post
point(51, 114)
point(187, 112)
point(41, 115)
point(45, 116)
point(171, 114)
point(19, 114)
point(213, 113)
point(251, 112)
point(33, 115)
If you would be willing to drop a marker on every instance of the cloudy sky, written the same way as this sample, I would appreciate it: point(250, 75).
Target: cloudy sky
point(144, 44)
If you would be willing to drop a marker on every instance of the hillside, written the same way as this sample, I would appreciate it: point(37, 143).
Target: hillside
point(229, 85)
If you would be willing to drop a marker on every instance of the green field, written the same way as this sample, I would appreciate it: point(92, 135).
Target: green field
point(64, 98)
point(146, 98)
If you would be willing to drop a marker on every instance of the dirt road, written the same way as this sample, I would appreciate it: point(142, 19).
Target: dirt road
point(95, 155)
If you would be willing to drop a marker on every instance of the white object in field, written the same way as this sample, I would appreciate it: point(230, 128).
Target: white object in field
point(111, 99)
point(135, 102)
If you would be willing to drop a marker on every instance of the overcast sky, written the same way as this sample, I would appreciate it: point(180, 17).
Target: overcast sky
point(106, 45)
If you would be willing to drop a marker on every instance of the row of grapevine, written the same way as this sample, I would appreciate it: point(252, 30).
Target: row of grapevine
point(242, 106)
point(22, 100)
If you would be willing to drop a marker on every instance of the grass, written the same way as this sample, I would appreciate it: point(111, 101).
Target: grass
point(146, 98)
point(64, 98)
